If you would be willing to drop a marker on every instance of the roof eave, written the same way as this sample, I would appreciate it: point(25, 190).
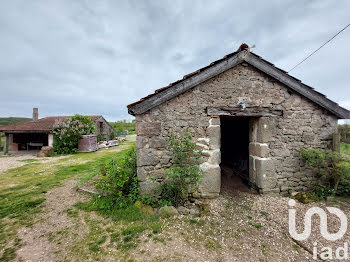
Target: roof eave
point(185, 85)
point(25, 131)
point(206, 73)
point(297, 86)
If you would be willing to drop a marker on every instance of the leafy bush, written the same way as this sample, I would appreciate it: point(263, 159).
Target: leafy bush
point(344, 188)
point(154, 202)
point(322, 192)
point(332, 166)
point(100, 137)
point(185, 173)
point(118, 179)
point(68, 133)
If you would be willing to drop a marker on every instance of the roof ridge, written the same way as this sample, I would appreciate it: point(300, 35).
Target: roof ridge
point(235, 58)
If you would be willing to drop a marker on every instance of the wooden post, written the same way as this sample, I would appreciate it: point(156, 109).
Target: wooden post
point(7, 141)
point(336, 142)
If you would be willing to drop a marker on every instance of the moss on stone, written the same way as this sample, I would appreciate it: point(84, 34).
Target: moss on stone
point(305, 197)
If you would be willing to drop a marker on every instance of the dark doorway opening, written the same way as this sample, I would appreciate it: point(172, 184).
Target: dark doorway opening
point(234, 154)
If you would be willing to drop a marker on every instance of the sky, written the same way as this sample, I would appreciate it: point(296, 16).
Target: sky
point(95, 57)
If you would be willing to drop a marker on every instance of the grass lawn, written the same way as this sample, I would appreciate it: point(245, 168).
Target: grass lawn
point(71, 226)
point(23, 190)
point(345, 148)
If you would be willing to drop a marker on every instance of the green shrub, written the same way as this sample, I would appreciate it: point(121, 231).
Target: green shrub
point(118, 179)
point(184, 174)
point(68, 133)
point(100, 137)
point(332, 166)
point(344, 188)
point(322, 192)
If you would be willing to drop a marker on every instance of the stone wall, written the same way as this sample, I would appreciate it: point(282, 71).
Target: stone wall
point(107, 130)
point(275, 142)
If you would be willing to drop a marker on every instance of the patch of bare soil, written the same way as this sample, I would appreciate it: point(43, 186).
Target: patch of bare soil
point(36, 240)
point(279, 214)
point(238, 227)
point(232, 182)
point(234, 230)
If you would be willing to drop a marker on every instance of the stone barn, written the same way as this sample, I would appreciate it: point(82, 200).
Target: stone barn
point(250, 118)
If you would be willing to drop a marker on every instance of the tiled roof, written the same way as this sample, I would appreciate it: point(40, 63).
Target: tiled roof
point(183, 78)
point(45, 124)
point(245, 48)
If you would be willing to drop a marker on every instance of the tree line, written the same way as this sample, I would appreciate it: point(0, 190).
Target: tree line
point(123, 126)
point(344, 131)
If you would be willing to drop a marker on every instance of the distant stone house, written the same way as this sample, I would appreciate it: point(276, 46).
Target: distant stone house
point(245, 114)
point(37, 133)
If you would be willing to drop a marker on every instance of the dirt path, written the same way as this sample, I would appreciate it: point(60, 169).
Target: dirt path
point(56, 219)
point(36, 244)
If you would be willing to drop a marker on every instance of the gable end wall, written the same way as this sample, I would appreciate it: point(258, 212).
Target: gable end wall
point(302, 125)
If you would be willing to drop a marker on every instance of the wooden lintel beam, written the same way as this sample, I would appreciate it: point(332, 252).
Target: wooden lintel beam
point(249, 111)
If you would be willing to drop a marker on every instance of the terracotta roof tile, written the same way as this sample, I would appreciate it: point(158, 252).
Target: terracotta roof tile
point(45, 124)
point(242, 47)
point(178, 81)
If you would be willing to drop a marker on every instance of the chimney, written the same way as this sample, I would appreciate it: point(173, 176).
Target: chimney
point(35, 114)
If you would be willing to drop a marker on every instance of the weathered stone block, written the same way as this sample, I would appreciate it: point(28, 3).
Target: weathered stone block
point(165, 159)
point(214, 157)
point(252, 172)
point(253, 130)
point(308, 137)
point(149, 188)
point(214, 135)
point(214, 121)
point(287, 174)
point(203, 141)
point(259, 149)
point(157, 174)
point(148, 128)
point(141, 142)
point(141, 174)
point(266, 129)
point(268, 84)
point(157, 142)
point(211, 181)
point(266, 177)
point(147, 157)
point(291, 162)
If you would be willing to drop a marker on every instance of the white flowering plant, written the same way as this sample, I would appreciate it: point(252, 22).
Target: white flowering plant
point(68, 133)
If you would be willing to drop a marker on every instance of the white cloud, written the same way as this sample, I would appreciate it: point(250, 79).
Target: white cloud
point(93, 57)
